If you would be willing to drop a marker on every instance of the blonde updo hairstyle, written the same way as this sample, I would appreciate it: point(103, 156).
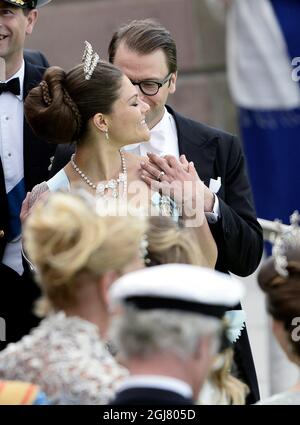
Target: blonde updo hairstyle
point(234, 389)
point(71, 245)
point(170, 243)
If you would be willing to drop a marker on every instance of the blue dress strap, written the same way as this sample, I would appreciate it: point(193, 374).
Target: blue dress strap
point(59, 181)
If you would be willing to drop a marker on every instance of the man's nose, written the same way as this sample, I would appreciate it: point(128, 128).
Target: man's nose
point(144, 105)
point(142, 96)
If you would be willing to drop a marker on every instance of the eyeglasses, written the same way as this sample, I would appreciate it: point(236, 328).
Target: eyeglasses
point(151, 87)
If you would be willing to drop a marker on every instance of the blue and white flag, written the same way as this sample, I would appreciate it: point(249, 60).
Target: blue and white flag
point(264, 73)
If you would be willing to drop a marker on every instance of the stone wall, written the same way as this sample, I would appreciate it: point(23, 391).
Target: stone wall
point(202, 91)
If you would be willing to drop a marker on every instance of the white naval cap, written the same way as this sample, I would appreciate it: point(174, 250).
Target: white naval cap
point(180, 287)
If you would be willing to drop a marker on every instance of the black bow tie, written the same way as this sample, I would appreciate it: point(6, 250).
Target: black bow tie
point(12, 85)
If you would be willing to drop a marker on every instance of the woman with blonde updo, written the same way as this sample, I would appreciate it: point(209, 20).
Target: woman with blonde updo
point(77, 254)
point(279, 278)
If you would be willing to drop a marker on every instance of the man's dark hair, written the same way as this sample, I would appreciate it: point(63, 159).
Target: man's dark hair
point(144, 37)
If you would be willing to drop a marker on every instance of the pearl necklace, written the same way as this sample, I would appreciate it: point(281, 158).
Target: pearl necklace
point(113, 184)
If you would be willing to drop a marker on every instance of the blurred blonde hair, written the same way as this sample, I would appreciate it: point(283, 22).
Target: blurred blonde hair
point(235, 390)
point(70, 244)
point(169, 243)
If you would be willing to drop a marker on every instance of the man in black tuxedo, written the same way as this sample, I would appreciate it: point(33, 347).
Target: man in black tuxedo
point(146, 52)
point(170, 327)
point(24, 161)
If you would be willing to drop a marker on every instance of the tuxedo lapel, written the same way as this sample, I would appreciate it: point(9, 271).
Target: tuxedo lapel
point(201, 150)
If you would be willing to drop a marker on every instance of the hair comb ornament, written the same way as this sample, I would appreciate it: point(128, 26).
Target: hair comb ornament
point(283, 241)
point(90, 60)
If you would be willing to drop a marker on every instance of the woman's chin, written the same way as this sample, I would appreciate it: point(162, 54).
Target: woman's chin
point(147, 136)
point(143, 136)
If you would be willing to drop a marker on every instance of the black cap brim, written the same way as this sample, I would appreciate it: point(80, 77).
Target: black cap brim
point(25, 4)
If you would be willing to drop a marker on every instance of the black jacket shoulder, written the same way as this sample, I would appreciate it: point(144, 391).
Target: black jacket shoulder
point(36, 58)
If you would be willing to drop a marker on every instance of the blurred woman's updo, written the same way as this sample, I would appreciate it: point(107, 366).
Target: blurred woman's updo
point(70, 244)
point(59, 108)
point(169, 243)
point(283, 291)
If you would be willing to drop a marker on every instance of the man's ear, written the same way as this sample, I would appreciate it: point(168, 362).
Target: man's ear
point(31, 20)
point(173, 80)
point(100, 121)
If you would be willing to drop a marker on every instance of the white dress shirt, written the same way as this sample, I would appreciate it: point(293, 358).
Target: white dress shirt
point(11, 152)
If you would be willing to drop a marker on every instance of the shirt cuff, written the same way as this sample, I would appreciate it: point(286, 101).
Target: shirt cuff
point(213, 217)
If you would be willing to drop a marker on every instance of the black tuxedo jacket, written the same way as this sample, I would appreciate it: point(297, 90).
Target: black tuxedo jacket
point(218, 154)
point(36, 58)
point(37, 155)
point(149, 396)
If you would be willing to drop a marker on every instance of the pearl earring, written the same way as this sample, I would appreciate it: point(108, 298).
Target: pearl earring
point(106, 135)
